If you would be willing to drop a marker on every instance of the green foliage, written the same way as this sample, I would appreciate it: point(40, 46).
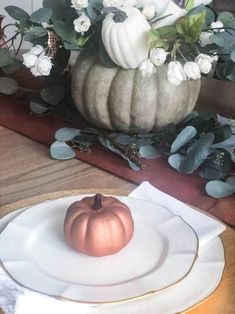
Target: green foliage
point(17, 13)
point(42, 15)
point(34, 32)
point(8, 86)
point(66, 32)
point(190, 26)
point(5, 57)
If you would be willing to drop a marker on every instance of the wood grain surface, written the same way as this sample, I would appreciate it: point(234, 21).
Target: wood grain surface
point(26, 169)
point(220, 302)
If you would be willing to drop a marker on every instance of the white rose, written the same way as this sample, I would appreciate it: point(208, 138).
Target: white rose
point(29, 60)
point(43, 66)
point(160, 5)
point(192, 70)
point(204, 39)
point(113, 3)
point(82, 24)
point(35, 72)
point(204, 62)
point(147, 67)
point(175, 73)
point(149, 11)
point(36, 50)
point(158, 56)
point(217, 26)
point(79, 4)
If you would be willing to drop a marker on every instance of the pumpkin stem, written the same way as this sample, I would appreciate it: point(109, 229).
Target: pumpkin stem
point(119, 15)
point(97, 202)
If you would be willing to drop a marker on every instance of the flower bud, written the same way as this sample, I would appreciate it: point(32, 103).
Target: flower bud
point(44, 65)
point(204, 62)
point(204, 39)
point(217, 26)
point(192, 70)
point(147, 67)
point(29, 60)
point(149, 11)
point(175, 73)
point(158, 56)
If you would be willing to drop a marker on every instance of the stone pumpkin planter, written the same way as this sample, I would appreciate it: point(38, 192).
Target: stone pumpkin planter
point(124, 100)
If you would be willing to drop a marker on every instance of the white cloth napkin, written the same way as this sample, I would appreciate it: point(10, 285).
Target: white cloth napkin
point(15, 299)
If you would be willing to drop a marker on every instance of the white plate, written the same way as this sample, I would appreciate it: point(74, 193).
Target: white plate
point(35, 254)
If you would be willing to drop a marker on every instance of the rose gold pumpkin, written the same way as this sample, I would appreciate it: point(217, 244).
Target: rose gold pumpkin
point(98, 225)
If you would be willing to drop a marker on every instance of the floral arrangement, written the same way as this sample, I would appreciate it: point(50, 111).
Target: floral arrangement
point(186, 35)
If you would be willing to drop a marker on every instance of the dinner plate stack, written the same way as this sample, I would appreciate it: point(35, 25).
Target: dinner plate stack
point(163, 269)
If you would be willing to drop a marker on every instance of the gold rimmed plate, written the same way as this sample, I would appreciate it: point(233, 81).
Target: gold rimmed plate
point(34, 253)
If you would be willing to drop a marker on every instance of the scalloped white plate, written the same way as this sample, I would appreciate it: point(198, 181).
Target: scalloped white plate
point(35, 254)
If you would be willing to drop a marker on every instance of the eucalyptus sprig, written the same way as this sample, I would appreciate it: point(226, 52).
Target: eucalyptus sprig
point(200, 143)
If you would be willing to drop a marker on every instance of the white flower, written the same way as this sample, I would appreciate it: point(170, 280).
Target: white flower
point(29, 60)
point(217, 26)
point(82, 23)
point(113, 3)
point(31, 57)
point(79, 4)
point(204, 62)
point(35, 71)
point(204, 39)
point(175, 73)
point(147, 67)
point(42, 66)
point(149, 11)
point(192, 70)
point(158, 56)
point(45, 25)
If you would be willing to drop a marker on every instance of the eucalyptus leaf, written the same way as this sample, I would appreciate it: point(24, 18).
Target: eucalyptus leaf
point(219, 189)
point(16, 12)
point(148, 151)
point(65, 31)
point(15, 66)
point(198, 9)
point(107, 144)
point(8, 86)
point(217, 165)
point(222, 133)
point(84, 139)
point(123, 139)
point(53, 95)
point(38, 107)
point(61, 151)
point(231, 180)
point(184, 137)
point(66, 134)
point(232, 56)
point(5, 58)
point(230, 142)
point(42, 15)
point(198, 153)
point(175, 161)
point(34, 32)
point(226, 18)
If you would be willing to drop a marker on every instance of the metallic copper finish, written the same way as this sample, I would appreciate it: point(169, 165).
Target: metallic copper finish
point(98, 225)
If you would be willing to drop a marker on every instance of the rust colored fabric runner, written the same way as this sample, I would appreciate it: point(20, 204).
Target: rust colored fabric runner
point(15, 115)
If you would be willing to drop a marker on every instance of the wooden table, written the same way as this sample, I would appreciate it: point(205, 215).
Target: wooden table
point(27, 170)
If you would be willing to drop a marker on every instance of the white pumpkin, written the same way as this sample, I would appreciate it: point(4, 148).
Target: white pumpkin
point(126, 42)
point(174, 12)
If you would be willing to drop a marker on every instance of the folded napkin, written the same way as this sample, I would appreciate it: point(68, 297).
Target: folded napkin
point(206, 228)
point(15, 299)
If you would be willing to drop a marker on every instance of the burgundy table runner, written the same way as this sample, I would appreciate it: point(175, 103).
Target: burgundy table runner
point(15, 115)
